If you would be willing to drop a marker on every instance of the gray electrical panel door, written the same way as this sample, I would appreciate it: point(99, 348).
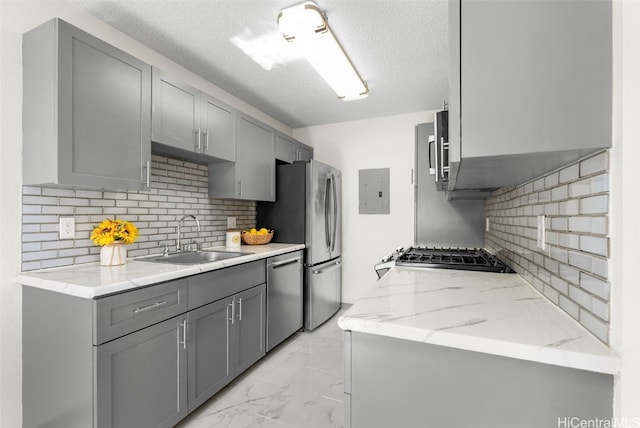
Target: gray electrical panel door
point(209, 348)
point(141, 377)
point(374, 190)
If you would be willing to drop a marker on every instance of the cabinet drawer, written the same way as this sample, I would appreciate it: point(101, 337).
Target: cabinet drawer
point(124, 313)
point(218, 284)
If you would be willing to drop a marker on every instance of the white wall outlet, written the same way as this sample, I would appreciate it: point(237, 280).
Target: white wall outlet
point(67, 228)
point(541, 235)
point(231, 222)
point(487, 227)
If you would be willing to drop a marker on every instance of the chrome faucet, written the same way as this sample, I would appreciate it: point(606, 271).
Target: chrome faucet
point(178, 246)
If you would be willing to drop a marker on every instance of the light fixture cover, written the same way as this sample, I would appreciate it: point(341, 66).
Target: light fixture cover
point(306, 27)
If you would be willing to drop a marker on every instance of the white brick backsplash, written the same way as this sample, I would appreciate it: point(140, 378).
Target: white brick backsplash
point(594, 164)
point(595, 286)
point(572, 273)
point(570, 307)
point(580, 188)
point(154, 211)
point(570, 173)
point(598, 327)
point(594, 244)
point(595, 205)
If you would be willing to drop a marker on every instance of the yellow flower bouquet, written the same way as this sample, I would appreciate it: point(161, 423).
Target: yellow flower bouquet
point(110, 231)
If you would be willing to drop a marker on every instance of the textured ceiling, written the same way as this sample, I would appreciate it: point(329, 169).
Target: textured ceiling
point(399, 47)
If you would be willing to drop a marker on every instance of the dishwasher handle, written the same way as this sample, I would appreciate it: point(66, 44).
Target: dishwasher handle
point(275, 265)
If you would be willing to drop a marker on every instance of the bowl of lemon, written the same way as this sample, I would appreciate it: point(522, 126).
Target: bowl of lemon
point(257, 236)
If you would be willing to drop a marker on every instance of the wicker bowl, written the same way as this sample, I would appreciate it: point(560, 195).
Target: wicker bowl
point(250, 239)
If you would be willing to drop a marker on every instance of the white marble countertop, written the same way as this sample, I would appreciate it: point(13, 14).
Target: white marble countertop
point(492, 313)
point(91, 280)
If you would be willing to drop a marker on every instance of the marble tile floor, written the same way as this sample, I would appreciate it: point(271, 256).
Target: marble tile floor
point(299, 384)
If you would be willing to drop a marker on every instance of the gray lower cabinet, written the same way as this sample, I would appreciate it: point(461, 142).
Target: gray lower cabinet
point(142, 358)
point(86, 113)
point(189, 123)
point(388, 380)
point(253, 175)
point(210, 350)
point(225, 338)
point(140, 377)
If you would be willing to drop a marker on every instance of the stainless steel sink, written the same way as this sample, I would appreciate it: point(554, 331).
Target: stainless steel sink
point(194, 257)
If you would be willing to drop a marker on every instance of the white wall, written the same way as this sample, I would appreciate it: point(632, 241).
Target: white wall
point(625, 209)
point(17, 17)
point(387, 142)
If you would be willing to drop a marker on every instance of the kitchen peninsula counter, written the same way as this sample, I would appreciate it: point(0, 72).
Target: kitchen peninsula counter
point(91, 280)
point(491, 313)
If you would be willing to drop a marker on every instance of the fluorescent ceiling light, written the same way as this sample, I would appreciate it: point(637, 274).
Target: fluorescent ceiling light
point(306, 27)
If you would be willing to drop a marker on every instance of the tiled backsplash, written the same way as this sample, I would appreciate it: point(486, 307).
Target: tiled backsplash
point(573, 270)
point(177, 188)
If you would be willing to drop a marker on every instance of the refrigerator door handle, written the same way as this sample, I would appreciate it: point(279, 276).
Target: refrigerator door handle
point(327, 196)
point(324, 269)
point(334, 198)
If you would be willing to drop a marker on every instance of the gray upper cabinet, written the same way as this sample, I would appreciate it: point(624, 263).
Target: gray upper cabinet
point(252, 176)
point(289, 150)
point(189, 123)
point(86, 113)
point(531, 88)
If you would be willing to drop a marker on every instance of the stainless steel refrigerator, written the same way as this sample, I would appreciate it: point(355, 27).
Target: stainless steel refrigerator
point(308, 210)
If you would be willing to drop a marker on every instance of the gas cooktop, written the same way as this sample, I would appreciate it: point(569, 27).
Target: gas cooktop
point(476, 259)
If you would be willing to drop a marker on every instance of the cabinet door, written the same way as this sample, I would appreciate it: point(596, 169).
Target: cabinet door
point(86, 111)
point(176, 113)
point(249, 327)
point(141, 377)
point(303, 152)
point(285, 148)
point(210, 365)
point(218, 129)
point(256, 160)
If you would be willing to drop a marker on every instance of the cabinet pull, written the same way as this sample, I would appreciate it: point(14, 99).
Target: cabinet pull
point(240, 309)
point(183, 342)
point(240, 188)
point(435, 152)
point(233, 311)
point(148, 173)
point(151, 306)
point(199, 139)
point(206, 141)
point(285, 262)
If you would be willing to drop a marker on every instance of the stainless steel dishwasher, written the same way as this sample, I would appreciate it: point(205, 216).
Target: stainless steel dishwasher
point(284, 297)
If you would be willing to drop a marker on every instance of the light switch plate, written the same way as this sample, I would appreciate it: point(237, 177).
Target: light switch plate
point(541, 235)
point(67, 228)
point(231, 222)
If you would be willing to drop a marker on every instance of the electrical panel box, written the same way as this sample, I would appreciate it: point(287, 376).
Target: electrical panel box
point(374, 191)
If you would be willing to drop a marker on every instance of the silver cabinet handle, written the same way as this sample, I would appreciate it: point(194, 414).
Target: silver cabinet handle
point(206, 141)
point(233, 311)
point(240, 309)
point(285, 262)
point(148, 173)
point(183, 342)
point(151, 306)
point(199, 148)
point(435, 151)
point(240, 188)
